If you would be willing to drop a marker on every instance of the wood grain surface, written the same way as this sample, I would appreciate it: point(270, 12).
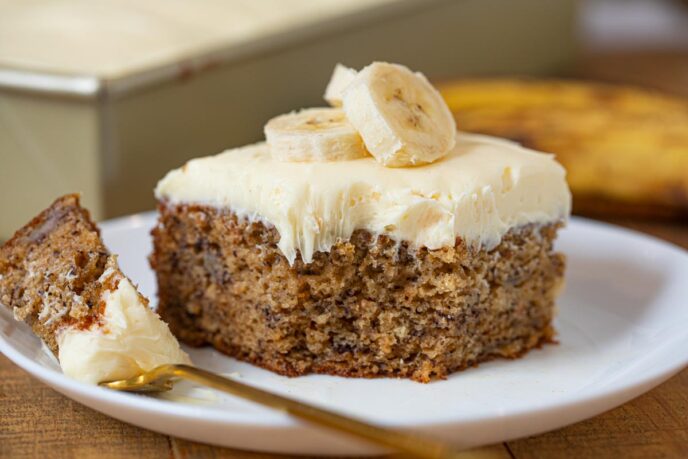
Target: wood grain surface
point(37, 422)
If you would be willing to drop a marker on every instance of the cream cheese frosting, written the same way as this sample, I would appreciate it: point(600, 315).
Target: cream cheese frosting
point(479, 191)
point(129, 340)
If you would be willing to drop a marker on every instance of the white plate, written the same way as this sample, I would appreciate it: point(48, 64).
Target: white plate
point(623, 328)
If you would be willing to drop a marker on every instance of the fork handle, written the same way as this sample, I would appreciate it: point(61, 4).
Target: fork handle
point(403, 442)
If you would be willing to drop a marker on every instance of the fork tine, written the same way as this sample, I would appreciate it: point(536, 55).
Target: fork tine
point(157, 380)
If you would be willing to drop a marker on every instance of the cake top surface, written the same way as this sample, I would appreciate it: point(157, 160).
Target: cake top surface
point(481, 189)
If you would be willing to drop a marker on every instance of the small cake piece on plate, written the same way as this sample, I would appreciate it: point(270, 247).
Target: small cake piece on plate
point(57, 275)
point(431, 254)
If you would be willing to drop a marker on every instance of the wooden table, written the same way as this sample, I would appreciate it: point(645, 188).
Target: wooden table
point(35, 421)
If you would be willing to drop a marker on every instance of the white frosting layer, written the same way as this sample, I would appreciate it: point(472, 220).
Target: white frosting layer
point(481, 189)
point(130, 340)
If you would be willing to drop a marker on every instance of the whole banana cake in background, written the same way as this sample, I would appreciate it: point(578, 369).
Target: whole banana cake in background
point(625, 149)
point(368, 238)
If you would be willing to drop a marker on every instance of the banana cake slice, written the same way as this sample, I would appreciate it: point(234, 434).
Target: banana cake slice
point(429, 253)
point(57, 275)
point(355, 269)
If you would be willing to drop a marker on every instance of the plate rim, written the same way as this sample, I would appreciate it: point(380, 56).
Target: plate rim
point(275, 419)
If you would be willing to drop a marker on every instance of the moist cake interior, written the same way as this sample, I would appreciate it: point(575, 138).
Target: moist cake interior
point(49, 270)
point(369, 307)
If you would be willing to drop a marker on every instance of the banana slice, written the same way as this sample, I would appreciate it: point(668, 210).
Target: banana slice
point(340, 79)
point(314, 134)
point(402, 118)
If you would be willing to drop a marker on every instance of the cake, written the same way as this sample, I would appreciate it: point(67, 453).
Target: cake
point(429, 253)
point(57, 276)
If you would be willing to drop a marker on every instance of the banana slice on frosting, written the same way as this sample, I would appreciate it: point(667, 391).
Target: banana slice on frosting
point(314, 134)
point(341, 78)
point(401, 117)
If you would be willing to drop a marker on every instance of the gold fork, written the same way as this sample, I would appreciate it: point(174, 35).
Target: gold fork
point(161, 379)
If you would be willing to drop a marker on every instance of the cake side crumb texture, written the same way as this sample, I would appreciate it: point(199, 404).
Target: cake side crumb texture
point(368, 307)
